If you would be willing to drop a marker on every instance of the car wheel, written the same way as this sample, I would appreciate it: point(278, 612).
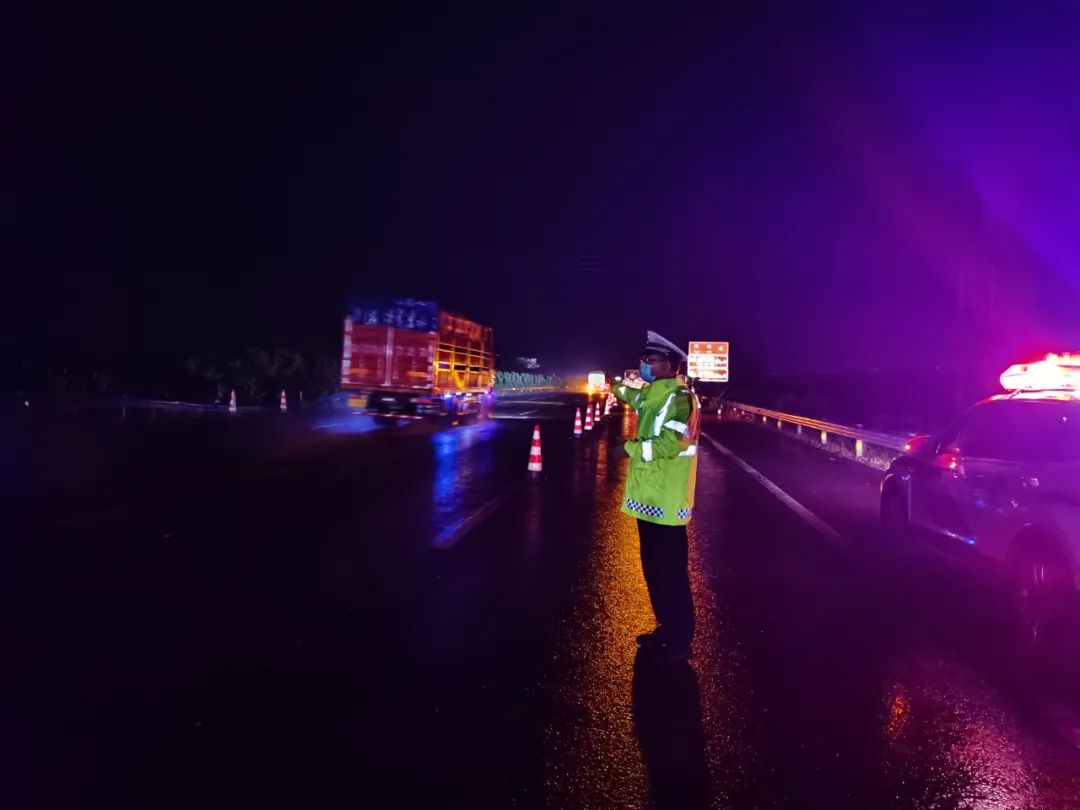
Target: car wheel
point(895, 525)
point(1039, 580)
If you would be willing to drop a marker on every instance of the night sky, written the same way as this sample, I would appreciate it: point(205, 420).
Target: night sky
point(829, 191)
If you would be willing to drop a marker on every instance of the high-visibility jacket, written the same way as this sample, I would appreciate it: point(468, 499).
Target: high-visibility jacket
point(663, 455)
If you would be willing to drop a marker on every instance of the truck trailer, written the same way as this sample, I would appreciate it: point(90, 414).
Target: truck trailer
point(411, 358)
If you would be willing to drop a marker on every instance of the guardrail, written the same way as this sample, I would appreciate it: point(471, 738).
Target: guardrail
point(125, 404)
point(164, 404)
point(821, 432)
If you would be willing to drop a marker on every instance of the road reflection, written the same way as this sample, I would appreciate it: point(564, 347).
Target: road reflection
point(353, 423)
point(629, 732)
point(592, 757)
point(717, 658)
point(954, 741)
point(462, 467)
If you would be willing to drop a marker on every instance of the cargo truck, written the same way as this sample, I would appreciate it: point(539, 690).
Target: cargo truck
point(408, 357)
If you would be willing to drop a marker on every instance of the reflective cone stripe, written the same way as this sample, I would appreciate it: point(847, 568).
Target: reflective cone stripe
point(535, 462)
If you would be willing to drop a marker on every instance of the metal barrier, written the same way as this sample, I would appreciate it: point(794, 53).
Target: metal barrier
point(136, 404)
point(166, 405)
point(861, 436)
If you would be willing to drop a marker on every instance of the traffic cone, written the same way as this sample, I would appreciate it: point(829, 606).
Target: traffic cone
point(232, 401)
point(607, 406)
point(577, 422)
point(597, 418)
point(588, 417)
point(535, 463)
point(284, 404)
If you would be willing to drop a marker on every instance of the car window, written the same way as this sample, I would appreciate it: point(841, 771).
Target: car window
point(1056, 434)
point(1021, 431)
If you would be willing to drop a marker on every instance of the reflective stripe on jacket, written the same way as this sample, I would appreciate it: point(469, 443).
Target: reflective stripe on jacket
point(663, 455)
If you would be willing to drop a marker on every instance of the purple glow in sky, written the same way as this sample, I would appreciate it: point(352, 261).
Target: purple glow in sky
point(951, 200)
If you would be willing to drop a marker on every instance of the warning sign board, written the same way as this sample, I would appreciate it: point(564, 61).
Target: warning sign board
point(707, 360)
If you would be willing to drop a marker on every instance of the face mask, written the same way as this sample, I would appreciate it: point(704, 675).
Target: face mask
point(646, 372)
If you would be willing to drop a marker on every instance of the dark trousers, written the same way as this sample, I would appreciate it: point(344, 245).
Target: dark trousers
point(665, 563)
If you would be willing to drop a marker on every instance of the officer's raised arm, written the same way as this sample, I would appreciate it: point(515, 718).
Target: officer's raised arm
point(630, 389)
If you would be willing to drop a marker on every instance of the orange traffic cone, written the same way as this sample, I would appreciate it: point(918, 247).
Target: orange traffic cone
point(535, 463)
point(577, 422)
point(597, 418)
point(284, 404)
point(232, 401)
point(588, 417)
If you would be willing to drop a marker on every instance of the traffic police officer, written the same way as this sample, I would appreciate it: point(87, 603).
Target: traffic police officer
point(660, 489)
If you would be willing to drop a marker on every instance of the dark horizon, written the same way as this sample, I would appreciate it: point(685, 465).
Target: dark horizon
point(800, 187)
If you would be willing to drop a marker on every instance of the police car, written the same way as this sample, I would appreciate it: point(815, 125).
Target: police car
point(1002, 484)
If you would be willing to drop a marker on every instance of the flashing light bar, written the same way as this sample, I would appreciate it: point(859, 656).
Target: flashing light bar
point(1057, 372)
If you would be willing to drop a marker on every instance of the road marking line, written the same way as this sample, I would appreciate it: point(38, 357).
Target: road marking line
point(450, 539)
point(809, 517)
point(526, 413)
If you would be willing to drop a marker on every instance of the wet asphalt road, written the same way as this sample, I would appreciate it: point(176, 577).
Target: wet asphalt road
point(408, 621)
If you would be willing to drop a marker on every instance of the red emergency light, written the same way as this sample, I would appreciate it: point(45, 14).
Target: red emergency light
point(1057, 372)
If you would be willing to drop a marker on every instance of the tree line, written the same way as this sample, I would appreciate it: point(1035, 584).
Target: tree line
point(259, 375)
